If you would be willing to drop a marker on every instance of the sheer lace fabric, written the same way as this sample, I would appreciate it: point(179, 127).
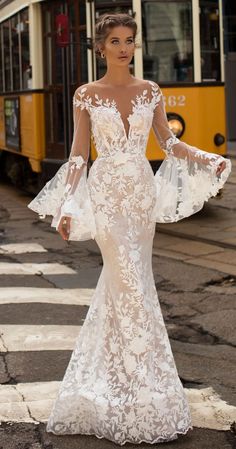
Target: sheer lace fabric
point(66, 194)
point(121, 382)
point(187, 175)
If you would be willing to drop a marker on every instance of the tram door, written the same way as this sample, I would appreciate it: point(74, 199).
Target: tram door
point(65, 68)
point(97, 8)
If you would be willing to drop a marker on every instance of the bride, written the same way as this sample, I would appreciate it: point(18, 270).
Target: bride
point(121, 382)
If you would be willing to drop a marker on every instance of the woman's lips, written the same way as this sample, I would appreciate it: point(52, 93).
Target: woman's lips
point(123, 57)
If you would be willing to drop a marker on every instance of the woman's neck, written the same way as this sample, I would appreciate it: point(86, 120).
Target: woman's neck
point(117, 76)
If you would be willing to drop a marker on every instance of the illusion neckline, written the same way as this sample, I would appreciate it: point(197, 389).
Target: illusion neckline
point(111, 103)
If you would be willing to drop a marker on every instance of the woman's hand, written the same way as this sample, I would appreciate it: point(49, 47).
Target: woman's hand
point(64, 227)
point(220, 168)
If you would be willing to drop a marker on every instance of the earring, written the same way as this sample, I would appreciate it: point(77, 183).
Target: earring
point(102, 55)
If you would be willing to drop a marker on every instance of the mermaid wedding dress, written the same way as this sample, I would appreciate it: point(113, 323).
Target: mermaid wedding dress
point(121, 382)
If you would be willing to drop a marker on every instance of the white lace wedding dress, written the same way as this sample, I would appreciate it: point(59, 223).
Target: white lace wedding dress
point(121, 382)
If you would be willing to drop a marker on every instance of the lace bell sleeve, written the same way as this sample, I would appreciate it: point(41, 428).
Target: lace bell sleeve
point(187, 176)
point(67, 193)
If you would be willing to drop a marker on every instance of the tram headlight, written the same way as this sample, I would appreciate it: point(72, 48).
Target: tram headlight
point(176, 123)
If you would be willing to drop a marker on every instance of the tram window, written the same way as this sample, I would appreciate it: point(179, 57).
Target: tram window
point(48, 68)
point(25, 54)
point(83, 57)
point(210, 40)
point(16, 72)
point(82, 12)
point(117, 3)
point(15, 52)
point(59, 65)
point(1, 62)
point(71, 14)
point(6, 46)
point(60, 118)
point(73, 56)
point(229, 27)
point(167, 40)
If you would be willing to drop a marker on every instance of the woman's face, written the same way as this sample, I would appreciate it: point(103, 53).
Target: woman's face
point(119, 42)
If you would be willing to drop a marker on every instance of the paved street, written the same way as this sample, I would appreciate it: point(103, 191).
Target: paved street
point(46, 287)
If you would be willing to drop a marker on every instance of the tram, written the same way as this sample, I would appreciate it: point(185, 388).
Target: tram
point(46, 52)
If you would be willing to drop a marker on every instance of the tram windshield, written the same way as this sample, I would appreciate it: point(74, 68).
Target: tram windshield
point(167, 40)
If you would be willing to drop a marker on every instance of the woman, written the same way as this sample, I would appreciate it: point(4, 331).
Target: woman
point(121, 382)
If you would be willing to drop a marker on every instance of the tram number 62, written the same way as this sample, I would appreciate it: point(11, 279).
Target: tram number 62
point(173, 100)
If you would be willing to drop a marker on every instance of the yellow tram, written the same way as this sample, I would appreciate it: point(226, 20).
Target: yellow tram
point(46, 52)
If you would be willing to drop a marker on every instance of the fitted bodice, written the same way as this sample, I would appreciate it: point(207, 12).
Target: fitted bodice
point(108, 130)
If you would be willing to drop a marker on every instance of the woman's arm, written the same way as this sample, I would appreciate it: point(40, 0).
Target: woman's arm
point(66, 196)
point(171, 145)
point(187, 176)
point(78, 160)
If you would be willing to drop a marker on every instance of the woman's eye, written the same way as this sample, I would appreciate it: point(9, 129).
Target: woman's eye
point(130, 41)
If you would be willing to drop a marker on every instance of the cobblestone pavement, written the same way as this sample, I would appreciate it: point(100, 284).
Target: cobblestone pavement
point(45, 291)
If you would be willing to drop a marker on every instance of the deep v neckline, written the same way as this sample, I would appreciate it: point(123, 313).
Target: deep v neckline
point(127, 134)
point(111, 103)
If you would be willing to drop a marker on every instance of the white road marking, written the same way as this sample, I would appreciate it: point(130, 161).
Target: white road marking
point(34, 268)
point(32, 402)
point(19, 295)
point(37, 337)
point(208, 410)
point(27, 402)
point(20, 248)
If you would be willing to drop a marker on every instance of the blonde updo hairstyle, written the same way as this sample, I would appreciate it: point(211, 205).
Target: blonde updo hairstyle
point(108, 21)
